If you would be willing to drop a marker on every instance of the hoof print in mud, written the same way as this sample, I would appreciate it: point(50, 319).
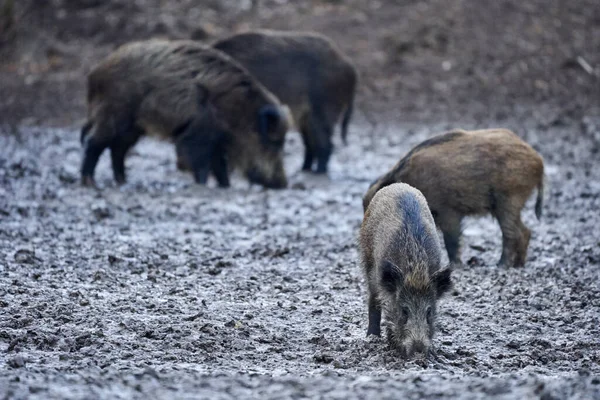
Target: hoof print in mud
point(24, 256)
point(323, 358)
point(101, 211)
point(16, 362)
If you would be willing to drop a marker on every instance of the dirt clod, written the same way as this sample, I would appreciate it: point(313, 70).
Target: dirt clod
point(16, 362)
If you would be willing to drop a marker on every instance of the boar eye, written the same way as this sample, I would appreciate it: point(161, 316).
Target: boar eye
point(405, 313)
point(429, 314)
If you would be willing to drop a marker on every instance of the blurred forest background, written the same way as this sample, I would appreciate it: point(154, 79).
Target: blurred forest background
point(418, 59)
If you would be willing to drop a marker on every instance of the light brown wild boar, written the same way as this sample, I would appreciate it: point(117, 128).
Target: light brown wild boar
point(308, 73)
point(201, 99)
point(401, 257)
point(463, 173)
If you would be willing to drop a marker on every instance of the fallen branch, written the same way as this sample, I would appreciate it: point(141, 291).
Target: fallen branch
point(585, 65)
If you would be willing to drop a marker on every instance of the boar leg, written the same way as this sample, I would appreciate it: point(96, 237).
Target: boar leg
point(449, 222)
point(308, 145)
point(118, 151)
point(198, 151)
point(523, 245)
point(322, 131)
point(182, 163)
point(93, 148)
point(510, 224)
point(324, 149)
point(374, 305)
point(219, 167)
point(374, 314)
point(323, 155)
point(508, 244)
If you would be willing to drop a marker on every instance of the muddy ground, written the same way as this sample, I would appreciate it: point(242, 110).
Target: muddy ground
point(164, 289)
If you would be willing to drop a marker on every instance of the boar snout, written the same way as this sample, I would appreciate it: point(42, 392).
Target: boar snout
point(411, 337)
point(277, 181)
point(421, 346)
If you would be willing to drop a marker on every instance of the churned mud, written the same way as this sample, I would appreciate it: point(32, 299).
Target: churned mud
point(165, 289)
point(162, 289)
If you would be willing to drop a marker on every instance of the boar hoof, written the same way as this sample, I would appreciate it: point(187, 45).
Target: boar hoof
point(88, 181)
point(182, 166)
point(372, 331)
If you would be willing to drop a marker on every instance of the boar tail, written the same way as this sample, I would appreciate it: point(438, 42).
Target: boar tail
point(540, 199)
point(346, 120)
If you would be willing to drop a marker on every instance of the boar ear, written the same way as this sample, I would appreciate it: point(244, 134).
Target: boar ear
point(442, 280)
point(206, 101)
point(391, 276)
point(268, 119)
point(203, 95)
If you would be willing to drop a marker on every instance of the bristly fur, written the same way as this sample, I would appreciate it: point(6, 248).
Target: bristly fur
point(389, 177)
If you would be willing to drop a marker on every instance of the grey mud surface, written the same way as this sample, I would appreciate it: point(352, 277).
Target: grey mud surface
point(161, 289)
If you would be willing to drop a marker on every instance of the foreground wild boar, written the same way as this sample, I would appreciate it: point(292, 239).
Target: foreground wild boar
point(308, 73)
point(464, 173)
point(205, 102)
point(401, 257)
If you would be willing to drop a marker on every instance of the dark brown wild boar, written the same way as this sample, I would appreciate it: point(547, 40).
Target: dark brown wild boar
point(463, 173)
point(201, 99)
point(401, 257)
point(308, 73)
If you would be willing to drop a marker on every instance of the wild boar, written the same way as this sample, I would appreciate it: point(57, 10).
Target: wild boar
point(308, 73)
point(209, 105)
point(401, 257)
point(464, 173)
